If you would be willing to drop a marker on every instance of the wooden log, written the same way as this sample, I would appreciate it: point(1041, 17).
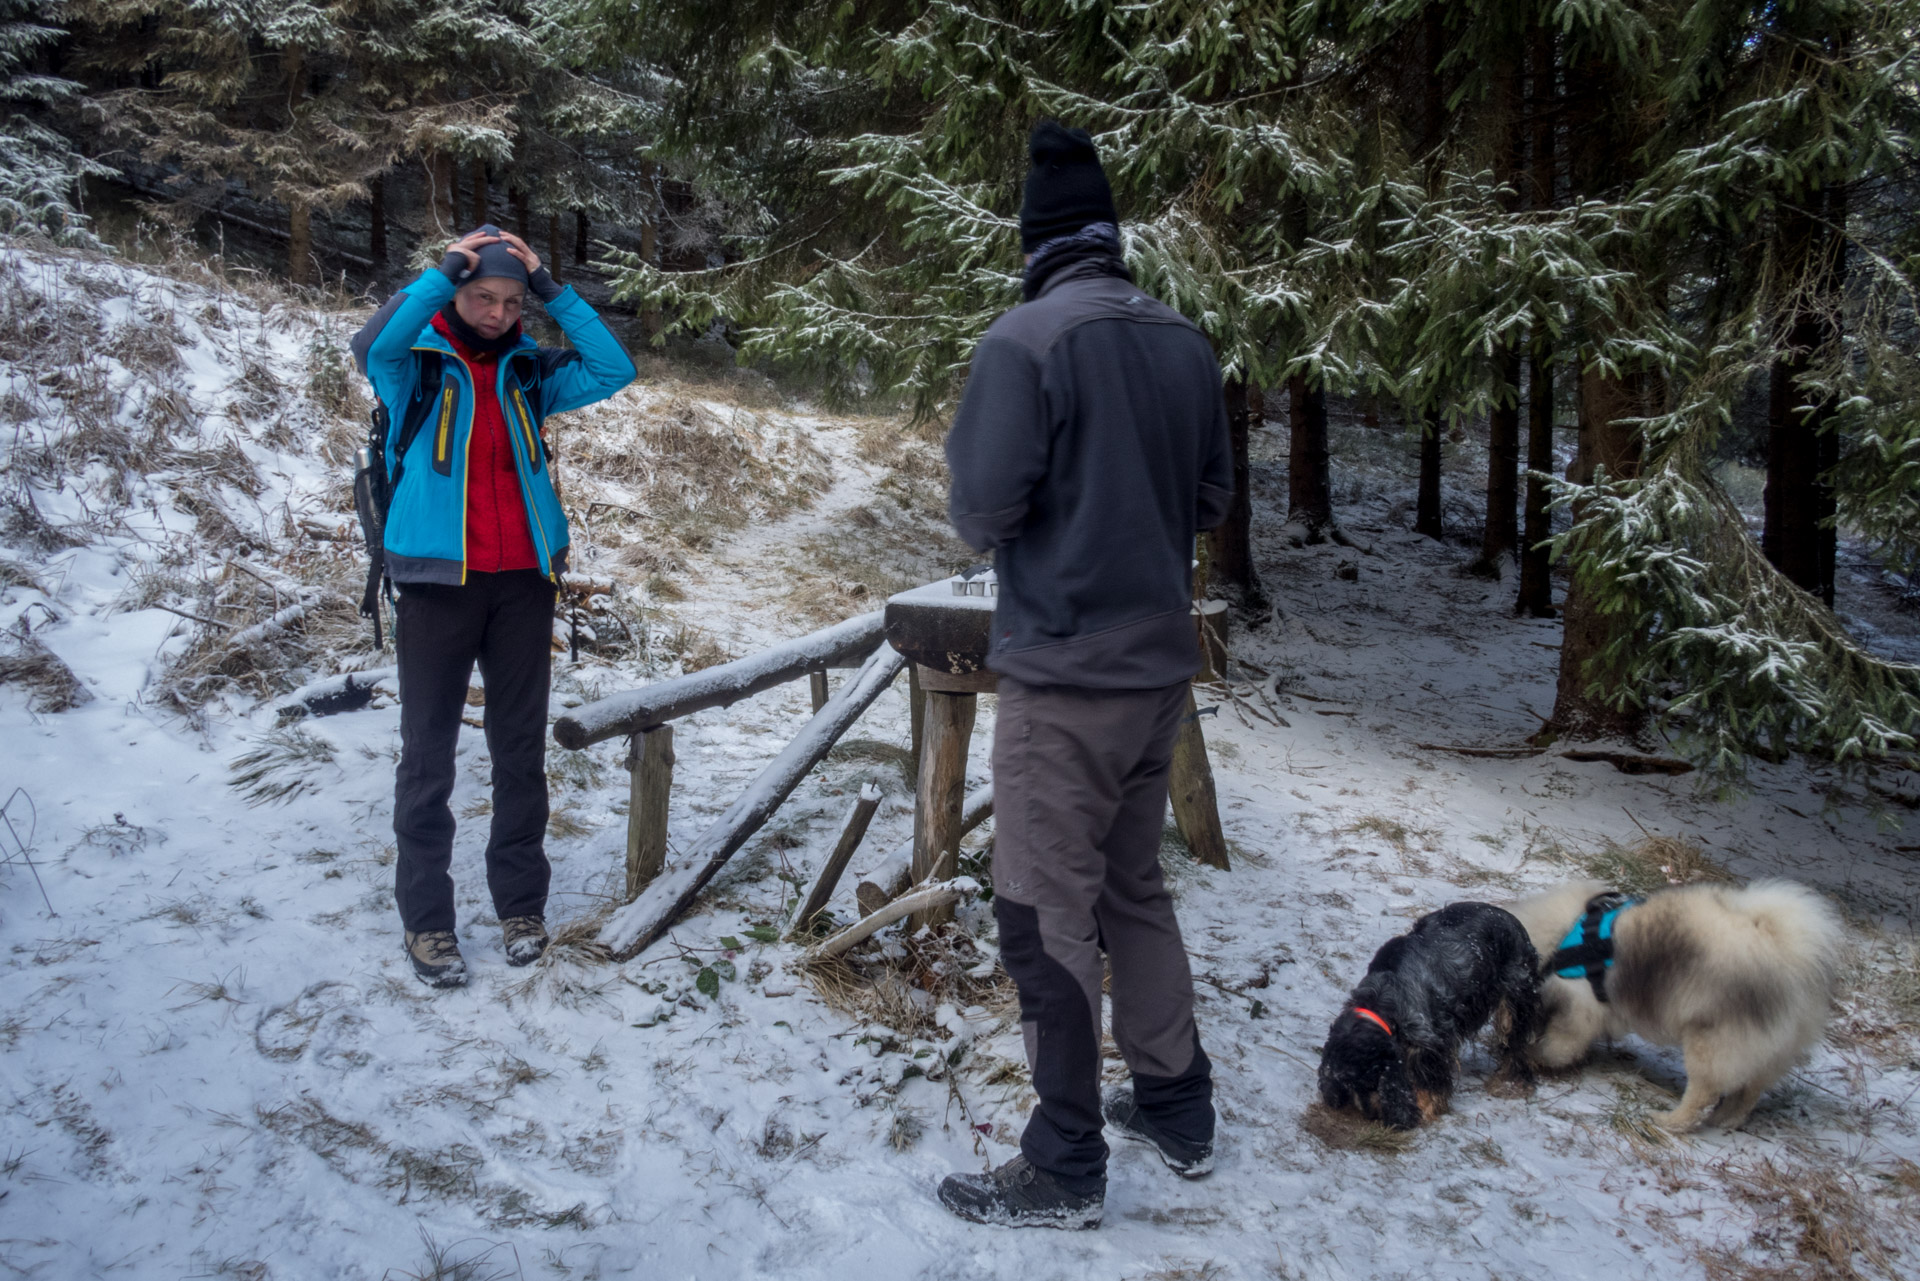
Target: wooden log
point(650, 765)
point(941, 790)
point(890, 878)
point(1196, 807)
point(817, 686)
point(721, 686)
point(836, 864)
point(929, 899)
point(641, 923)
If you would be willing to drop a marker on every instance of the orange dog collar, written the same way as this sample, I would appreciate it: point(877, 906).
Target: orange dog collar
point(1374, 1019)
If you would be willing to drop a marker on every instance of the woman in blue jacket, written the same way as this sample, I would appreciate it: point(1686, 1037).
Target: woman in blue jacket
point(476, 543)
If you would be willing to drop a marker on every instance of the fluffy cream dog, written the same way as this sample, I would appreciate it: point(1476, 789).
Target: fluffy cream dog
point(1740, 980)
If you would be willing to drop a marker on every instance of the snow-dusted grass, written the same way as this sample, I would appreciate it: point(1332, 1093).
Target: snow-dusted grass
point(215, 1061)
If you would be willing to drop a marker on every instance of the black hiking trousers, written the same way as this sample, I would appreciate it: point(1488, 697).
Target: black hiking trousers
point(1079, 802)
point(504, 622)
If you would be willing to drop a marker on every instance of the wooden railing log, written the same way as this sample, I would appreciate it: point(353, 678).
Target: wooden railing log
point(641, 923)
point(628, 713)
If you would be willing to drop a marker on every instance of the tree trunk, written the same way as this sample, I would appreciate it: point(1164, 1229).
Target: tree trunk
point(1309, 498)
point(1536, 565)
point(299, 211)
point(582, 232)
point(480, 200)
point(521, 227)
point(1582, 707)
point(446, 206)
point(1426, 516)
point(1230, 546)
point(300, 242)
point(1802, 448)
point(553, 246)
point(650, 249)
point(377, 222)
point(1500, 535)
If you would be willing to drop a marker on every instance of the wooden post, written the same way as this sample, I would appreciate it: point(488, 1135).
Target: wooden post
point(650, 759)
point(1196, 807)
point(837, 861)
point(817, 685)
point(942, 786)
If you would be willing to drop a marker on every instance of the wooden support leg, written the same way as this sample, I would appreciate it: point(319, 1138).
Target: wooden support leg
point(943, 784)
point(1196, 808)
point(650, 761)
point(817, 683)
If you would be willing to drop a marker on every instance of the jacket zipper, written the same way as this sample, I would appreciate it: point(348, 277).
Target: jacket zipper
point(526, 482)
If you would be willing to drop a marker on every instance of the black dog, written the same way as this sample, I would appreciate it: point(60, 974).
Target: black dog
point(1393, 1050)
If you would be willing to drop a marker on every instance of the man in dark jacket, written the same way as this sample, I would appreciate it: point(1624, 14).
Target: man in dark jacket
point(1090, 446)
point(476, 542)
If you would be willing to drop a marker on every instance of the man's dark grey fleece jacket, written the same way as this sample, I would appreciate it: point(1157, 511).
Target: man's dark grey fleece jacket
point(1090, 446)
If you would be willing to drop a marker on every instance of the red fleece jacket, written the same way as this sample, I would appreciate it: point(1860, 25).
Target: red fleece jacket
point(498, 538)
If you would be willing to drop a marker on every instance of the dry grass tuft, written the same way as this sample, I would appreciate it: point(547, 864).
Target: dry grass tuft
point(903, 992)
point(50, 684)
point(1350, 1132)
point(1814, 1220)
point(1653, 863)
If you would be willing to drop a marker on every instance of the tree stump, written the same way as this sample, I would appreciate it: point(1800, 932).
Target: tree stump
point(650, 761)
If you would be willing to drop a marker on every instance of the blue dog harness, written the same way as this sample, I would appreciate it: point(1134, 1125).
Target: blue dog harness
point(1588, 948)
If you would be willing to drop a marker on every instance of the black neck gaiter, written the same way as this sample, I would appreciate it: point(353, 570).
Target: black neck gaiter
point(471, 338)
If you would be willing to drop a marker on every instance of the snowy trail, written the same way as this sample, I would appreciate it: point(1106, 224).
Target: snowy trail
point(216, 1062)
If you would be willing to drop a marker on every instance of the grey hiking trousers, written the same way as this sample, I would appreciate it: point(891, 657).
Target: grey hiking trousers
point(1080, 799)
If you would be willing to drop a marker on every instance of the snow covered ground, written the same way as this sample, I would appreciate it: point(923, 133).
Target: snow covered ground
point(216, 1062)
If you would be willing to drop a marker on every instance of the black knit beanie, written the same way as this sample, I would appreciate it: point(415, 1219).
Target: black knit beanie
point(1066, 188)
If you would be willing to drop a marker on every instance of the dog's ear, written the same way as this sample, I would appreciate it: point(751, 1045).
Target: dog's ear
point(1397, 1107)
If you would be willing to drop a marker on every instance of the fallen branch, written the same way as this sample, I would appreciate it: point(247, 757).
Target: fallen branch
point(641, 923)
point(891, 877)
point(1498, 753)
point(282, 623)
point(1630, 762)
point(836, 864)
point(925, 899)
point(348, 692)
point(721, 686)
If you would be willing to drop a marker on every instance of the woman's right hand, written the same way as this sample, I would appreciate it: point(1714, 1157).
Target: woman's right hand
point(469, 247)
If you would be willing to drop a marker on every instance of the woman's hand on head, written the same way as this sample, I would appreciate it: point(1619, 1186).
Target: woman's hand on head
point(522, 250)
point(470, 245)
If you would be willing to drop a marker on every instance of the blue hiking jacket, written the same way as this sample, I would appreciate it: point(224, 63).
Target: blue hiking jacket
point(426, 532)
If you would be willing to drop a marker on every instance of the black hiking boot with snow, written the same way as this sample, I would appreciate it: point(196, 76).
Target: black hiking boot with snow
point(1021, 1195)
point(1185, 1158)
point(436, 958)
point(525, 938)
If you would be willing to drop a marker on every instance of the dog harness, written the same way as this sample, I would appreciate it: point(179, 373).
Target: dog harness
point(1373, 1018)
point(1588, 948)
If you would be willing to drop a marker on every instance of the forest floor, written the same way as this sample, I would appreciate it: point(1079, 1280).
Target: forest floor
point(217, 1063)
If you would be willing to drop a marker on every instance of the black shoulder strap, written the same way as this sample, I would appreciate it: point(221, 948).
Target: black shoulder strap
point(416, 413)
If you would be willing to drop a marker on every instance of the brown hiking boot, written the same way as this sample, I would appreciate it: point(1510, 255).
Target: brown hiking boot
point(525, 938)
point(436, 958)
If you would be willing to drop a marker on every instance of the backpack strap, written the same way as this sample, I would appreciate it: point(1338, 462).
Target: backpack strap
point(415, 415)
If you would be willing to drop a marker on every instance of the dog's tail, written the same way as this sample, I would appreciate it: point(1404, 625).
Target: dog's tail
point(1795, 932)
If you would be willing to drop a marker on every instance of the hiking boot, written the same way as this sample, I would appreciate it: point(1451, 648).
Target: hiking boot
point(1021, 1195)
point(525, 938)
point(1187, 1159)
point(436, 958)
